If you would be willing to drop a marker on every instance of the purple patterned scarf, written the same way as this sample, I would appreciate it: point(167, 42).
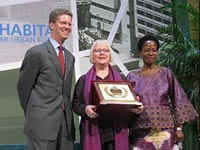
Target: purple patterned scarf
point(91, 130)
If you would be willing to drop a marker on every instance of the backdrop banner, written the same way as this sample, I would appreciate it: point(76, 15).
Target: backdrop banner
point(23, 24)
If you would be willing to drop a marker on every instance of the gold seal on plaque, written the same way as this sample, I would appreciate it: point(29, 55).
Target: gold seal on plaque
point(116, 92)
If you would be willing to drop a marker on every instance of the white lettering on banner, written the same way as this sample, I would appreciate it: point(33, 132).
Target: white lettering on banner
point(21, 29)
point(21, 33)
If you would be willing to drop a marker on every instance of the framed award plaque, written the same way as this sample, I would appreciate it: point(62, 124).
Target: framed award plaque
point(114, 99)
point(114, 92)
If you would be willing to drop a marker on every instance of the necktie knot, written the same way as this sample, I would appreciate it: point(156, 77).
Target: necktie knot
point(60, 48)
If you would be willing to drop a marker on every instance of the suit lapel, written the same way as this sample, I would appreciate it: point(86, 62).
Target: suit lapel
point(54, 58)
point(67, 62)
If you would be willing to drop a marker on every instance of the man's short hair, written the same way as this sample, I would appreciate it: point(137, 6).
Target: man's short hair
point(58, 12)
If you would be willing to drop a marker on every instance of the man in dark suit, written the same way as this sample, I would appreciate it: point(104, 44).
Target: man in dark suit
point(44, 88)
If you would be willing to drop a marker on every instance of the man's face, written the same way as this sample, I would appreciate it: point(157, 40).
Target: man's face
point(61, 29)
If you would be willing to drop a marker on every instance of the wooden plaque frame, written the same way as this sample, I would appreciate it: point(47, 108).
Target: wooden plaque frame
point(114, 92)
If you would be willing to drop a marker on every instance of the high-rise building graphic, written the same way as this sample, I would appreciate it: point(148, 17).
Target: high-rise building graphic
point(151, 16)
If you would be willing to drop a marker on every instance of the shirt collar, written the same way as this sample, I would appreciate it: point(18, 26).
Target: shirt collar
point(54, 43)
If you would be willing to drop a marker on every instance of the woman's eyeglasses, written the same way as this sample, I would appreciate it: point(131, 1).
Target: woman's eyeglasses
point(98, 51)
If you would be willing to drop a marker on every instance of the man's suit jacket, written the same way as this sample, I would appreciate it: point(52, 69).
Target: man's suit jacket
point(42, 90)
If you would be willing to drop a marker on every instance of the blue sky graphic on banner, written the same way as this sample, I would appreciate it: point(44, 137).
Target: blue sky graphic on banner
point(24, 23)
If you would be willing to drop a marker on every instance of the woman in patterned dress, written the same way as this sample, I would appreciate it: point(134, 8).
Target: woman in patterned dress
point(158, 126)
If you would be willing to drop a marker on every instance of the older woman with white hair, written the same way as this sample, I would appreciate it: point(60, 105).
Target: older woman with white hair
point(96, 134)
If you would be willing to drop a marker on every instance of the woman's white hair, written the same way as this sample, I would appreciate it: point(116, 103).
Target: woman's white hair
point(105, 42)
